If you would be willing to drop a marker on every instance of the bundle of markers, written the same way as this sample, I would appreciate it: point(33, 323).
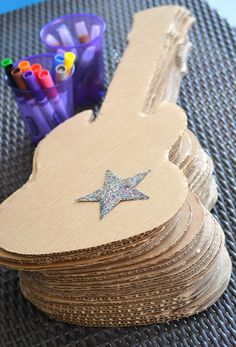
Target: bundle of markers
point(40, 95)
point(64, 37)
point(88, 66)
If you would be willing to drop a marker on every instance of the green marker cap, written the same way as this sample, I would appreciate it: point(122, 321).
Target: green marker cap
point(5, 62)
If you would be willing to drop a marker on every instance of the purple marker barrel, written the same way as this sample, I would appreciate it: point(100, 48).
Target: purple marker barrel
point(49, 117)
point(36, 120)
point(14, 80)
point(29, 112)
point(46, 81)
point(61, 75)
point(80, 25)
point(33, 84)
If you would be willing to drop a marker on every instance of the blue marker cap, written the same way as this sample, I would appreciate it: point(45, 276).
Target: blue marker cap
point(58, 59)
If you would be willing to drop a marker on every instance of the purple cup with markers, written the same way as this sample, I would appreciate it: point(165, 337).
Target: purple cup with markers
point(42, 109)
point(81, 34)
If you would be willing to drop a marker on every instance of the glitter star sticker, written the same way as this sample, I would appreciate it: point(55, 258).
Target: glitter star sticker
point(115, 190)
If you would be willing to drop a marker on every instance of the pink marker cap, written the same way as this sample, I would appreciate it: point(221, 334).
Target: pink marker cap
point(46, 81)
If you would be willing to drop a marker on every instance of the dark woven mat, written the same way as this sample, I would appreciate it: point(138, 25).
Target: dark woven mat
point(207, 95)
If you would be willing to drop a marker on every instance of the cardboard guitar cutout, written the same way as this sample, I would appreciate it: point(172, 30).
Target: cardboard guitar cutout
point(110, 221)
point(66, 172)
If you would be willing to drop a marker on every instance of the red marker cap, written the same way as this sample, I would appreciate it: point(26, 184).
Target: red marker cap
point(46, 81)
point(36, 68)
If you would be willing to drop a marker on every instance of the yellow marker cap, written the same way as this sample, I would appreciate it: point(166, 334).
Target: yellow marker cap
point(69, 59)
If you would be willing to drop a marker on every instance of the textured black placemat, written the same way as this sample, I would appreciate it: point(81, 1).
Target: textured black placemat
point(207, 95)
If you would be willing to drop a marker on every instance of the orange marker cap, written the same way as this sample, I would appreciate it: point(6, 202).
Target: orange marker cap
point(24, 65)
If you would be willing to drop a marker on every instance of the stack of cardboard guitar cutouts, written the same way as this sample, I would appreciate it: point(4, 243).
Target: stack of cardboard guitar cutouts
point(113, 227)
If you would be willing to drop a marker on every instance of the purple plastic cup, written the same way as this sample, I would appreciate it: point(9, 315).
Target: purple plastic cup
point(40, 111)
point(81, 34)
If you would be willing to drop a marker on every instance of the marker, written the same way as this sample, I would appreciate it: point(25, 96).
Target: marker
point(82, 32)
point(51, 118)
point(60, 77)
point(95, 31)
point(51, 40)
point(65, 36)
point(5, 62)
point(61, 51)
point(36, 68)
point(61, 74)
point(58, 59)
point(21, 102)
point(32, 83)
point(17, 75)
point(29, 109)
point(24, 65)
point(87, 68)
point(88, 55)
point(69, 61)
point(46, 82)
point(8, 71)
point(8, 66)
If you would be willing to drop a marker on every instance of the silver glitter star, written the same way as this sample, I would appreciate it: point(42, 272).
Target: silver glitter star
point(115, 190)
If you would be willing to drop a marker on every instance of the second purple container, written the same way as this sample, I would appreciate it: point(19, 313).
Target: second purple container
point(81, 34)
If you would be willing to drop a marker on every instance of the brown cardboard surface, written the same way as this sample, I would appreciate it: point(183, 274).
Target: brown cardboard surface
point(53, 211)
point(171, 23)
point(128, 306)
point(166, 273)
point(149, 260)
